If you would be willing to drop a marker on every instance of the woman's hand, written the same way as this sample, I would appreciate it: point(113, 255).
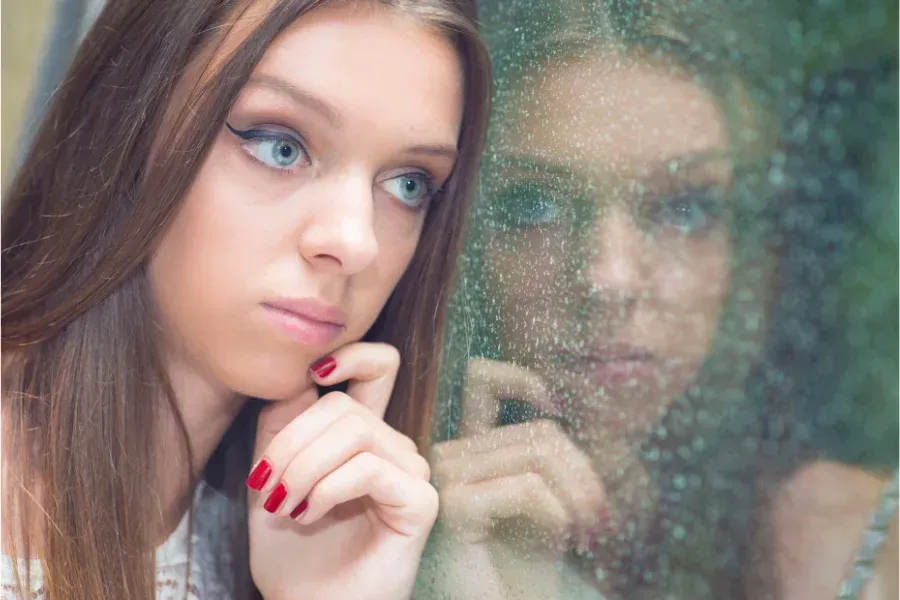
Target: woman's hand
point(346, 507)
point(517, 497)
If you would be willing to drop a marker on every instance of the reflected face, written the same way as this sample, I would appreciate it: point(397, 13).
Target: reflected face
point(609, 243)
point(311, 201)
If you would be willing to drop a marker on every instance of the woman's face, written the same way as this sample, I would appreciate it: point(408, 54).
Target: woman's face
point(310, 203)
point(608, 243)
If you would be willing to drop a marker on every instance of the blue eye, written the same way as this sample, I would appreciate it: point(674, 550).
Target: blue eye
point(272, 148)
point(691, 213)
point(412, 189)
point(529, 204)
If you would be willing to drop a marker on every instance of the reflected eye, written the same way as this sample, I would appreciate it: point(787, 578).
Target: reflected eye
point(412, 189)
point(690, 213)
point(526, 204)
point(274, 149)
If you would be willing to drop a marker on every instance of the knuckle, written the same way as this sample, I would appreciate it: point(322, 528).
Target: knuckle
point(410, 444)
point(321, 495)
point(295, 479)
point(542, 454)
point(372, 468)
point(430, 501)
point(359, 431)
point(421, 468)
point(405, 443)
point(391, 357)
point(335, 400)
point(535, 383)
point(545, 427)
point(533, 485)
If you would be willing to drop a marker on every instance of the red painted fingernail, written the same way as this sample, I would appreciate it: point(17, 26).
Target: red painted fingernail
point(324, 366)
point(273, 502)
point(603, 517)
point(259, 475)
point(300, 509)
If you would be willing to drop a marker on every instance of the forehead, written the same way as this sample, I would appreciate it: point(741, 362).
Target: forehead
point(606, 113)
point(375, 65)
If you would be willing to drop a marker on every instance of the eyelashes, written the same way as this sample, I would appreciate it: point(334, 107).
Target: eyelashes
point(529, 204)
point(284, 152)
point(415, 190)
point(275, 149)
point(692, 212)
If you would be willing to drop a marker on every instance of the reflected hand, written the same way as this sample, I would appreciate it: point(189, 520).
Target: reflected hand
point(348, 497)
point(531, 475)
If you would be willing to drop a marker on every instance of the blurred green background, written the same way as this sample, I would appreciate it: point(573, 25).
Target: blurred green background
point(23, 29)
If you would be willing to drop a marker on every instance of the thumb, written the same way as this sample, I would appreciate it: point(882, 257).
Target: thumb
point(275, 416)
point(490, 381)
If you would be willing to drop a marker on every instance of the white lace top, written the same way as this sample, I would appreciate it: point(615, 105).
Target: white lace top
point(208, 557)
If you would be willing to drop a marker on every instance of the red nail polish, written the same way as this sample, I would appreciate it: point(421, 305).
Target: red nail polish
point(300, 509)
point(324, 366)
point(273, 502)
point(603, 517)
point(259, 475)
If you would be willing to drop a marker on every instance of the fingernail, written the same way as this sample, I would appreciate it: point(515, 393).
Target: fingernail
point(324, 366)
point(273, 502)
point(604, 521)
point(300, 509)
point(259, 475)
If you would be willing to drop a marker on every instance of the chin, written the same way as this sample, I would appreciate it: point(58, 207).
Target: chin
point(266, 381)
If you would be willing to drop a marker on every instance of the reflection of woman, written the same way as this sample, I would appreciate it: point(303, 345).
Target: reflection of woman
point(608, 253)
point(212, 212)
point(630, 257)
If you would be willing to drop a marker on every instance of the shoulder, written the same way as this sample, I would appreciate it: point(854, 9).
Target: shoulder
point(820, 519)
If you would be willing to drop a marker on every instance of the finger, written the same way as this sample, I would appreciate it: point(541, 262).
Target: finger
point(370, 368)
point(349, 436)
point(406, 504)
point(295, 437)
point(275, 416)
point(553, 456)
point(487, 383)
point(493, 439)
point(473, 509)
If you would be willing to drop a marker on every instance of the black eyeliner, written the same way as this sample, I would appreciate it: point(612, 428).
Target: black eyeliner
point(254, 134)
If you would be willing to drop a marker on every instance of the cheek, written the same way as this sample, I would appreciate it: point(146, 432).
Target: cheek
point(370, 290)
point(205, 274)
point(693, 279)
point(207, 249)
point(526, 286)
point(690, 287)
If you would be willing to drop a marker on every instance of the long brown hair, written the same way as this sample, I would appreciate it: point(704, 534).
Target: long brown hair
point(83, 380)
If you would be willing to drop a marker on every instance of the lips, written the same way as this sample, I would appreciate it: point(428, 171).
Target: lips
point(618, 353)
point(309, 308)
point(611, 365)
point(306, 321)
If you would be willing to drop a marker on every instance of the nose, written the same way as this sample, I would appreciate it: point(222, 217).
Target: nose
point(340, 233)
point(615, 268)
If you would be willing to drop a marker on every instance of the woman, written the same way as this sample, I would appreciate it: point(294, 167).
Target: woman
point(213, 212)
point(637, 256)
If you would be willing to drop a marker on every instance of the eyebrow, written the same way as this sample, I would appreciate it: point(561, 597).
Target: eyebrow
point(439, 150)
point(300, 96)
point(545, 167)
point(526, 163)
point(330, 114)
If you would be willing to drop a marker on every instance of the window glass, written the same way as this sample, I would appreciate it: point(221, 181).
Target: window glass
point(672, 357)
